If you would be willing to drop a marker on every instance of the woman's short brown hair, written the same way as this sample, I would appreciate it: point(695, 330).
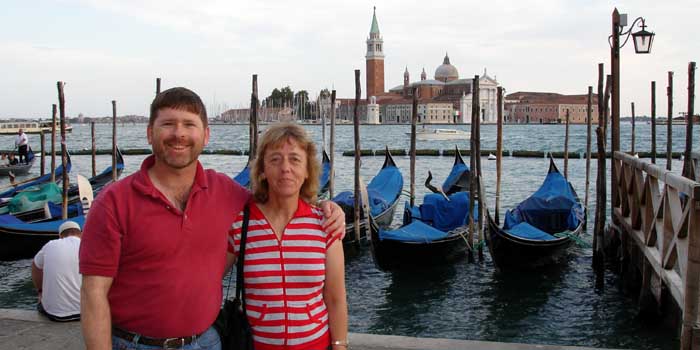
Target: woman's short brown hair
point(275, 136)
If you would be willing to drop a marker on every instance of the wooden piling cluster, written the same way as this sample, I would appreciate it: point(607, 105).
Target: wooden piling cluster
point(601, 182)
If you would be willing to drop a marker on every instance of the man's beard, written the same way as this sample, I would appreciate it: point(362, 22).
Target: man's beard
point(163, 153)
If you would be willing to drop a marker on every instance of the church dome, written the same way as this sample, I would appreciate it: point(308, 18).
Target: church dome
point(446, 72)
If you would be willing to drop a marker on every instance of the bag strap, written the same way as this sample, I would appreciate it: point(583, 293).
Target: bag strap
point(240, 287)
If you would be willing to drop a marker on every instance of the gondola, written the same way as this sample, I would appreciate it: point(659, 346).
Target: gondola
point(383, 192)
point(325, 179)
point(97, 182)
point(539, 230)
point(11, 191)
point(22, 240)
point(19, 168)
point(458, 178)
point(433, 233)
point(243, 178)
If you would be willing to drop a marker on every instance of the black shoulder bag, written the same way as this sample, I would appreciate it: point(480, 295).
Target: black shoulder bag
point(232, 322)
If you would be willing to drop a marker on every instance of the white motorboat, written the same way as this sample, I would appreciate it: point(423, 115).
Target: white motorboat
point(440, 134)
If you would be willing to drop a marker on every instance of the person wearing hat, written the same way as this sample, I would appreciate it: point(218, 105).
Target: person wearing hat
point(55, 275)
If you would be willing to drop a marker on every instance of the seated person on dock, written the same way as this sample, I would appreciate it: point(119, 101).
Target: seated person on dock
point(11, 160)
point(55, 275)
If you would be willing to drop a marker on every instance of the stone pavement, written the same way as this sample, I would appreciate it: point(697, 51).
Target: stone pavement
point(26, 329)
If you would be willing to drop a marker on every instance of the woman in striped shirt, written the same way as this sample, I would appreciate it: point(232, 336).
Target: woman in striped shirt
point(294, 272)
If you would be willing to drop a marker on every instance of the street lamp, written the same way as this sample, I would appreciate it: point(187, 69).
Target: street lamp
point(642, 44)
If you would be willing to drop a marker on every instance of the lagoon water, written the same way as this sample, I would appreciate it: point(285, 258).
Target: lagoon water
point(558, 305)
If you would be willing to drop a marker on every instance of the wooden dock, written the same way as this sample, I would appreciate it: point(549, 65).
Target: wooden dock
point(656, 223)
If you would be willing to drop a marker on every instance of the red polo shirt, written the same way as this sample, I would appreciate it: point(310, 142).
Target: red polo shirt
point(167, 264)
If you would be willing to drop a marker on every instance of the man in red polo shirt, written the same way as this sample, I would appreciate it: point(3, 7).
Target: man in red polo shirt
point(154, 246)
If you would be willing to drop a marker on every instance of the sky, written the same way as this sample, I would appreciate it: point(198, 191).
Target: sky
point(115, 49)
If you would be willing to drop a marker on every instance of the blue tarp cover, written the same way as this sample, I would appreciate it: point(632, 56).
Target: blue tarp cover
point(525, 230)
point(456, 173)
point(9, 219)
point(325, 175)
point(387, 184)
point(553, 208)
point(383, 190)
point(243, 178)
point(377, 204)
point(445, 215)
point(73, 209)
point(416, 231)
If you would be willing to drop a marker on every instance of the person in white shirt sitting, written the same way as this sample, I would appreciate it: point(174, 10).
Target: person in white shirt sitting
point(55, 275)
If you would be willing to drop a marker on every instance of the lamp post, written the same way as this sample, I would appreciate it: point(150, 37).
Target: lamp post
point(642, 45)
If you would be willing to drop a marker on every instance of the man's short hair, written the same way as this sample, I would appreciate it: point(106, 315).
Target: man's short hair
point(179, 98)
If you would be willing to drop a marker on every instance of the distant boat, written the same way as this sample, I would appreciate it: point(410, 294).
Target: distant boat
point(440, 134)
point(492, 157)
point(9, 128)
point(19, 168)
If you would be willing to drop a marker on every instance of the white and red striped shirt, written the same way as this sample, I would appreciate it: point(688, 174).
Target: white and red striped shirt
point(284, 279)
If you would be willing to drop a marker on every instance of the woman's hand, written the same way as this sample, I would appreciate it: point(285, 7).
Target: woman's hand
point(334, 219)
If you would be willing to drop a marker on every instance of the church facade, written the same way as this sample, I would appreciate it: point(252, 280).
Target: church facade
point(444, 99)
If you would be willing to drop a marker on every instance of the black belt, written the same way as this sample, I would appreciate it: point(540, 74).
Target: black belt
point(166, 343)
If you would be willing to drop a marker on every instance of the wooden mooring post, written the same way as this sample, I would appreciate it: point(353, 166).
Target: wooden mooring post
point(64, 151)
point(414, 120)
point(43, 151)
point(114, 141)
point(472, 169)
point(499, 151)
point(477, 155)
point(54, 111)
point(669, 124)
point(688, 170)
point(633, 127)
point(331, 149)
point(566, 147)
point(157, 86)
point(589, 115)
point(653, 122)
point(253, 127)
point(356, 136)
point(94, 147)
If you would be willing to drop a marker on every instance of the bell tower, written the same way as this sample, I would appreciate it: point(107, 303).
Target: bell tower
point(375, 60)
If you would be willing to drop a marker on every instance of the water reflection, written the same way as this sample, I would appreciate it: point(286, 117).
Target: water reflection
point(516, 301)
point(411, 298)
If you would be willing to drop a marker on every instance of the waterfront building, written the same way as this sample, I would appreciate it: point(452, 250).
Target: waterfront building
point(548, 108)
point(444, 99)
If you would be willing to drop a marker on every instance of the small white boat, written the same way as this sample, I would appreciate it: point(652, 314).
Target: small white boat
point(440, 134)
point(492, 156)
